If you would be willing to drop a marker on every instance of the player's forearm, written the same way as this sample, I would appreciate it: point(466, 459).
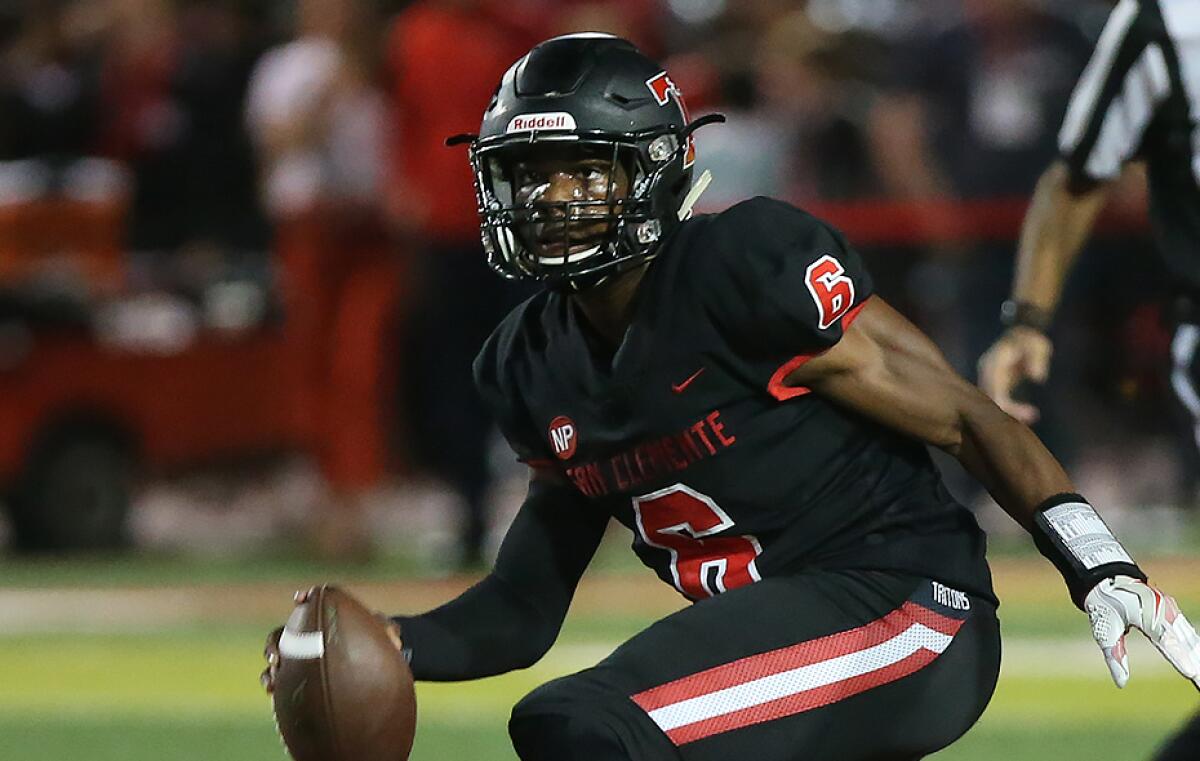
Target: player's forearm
point(490, 629)
point(887, 370)
point(511, 618)
point(1056, 226)
point(1032, 487)
point(1009, 460)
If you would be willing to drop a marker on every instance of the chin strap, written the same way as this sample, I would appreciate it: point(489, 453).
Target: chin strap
point(693, 195)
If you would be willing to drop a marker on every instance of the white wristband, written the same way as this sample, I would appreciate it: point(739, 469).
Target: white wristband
point(1085, 535)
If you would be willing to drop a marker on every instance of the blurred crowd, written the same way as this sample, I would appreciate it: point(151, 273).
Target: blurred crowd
point(219, 123)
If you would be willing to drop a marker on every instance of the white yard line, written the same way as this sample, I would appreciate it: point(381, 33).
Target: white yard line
point(88, 611)
point(134, 610)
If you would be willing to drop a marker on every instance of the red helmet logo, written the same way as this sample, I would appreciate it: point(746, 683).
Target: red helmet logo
point(662, 87)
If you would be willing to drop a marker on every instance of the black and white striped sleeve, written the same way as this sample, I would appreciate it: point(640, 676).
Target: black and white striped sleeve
point(1124, 84)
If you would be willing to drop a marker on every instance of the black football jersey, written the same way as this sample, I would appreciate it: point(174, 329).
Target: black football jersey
point(687, 435)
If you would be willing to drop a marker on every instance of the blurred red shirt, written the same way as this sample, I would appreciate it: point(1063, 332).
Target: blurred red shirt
point(445, 60)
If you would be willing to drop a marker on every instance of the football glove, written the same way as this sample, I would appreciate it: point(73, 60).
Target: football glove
point(1119, 603)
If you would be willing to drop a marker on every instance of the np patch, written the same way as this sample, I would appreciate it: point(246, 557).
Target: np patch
point(549, 120)
point(563, 437)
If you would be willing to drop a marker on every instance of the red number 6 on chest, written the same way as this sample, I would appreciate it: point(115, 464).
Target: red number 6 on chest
point(684, 522)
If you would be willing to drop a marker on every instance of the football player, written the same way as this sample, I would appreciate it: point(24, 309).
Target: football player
point(728, 388)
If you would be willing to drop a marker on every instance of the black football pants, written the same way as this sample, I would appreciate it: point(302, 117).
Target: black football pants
point(787, 669)
point(1185, 381)
point(1184, 746)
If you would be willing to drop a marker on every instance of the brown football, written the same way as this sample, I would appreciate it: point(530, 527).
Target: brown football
point(343, 692)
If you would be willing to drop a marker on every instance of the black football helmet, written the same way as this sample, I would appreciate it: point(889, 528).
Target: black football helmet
point(582, 97)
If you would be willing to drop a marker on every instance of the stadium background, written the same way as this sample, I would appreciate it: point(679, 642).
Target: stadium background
point(225, 229)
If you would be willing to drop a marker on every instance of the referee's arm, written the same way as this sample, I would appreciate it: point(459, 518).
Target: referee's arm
point(1114, 101)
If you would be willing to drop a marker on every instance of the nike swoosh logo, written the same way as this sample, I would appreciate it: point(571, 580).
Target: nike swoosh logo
point(678, 388)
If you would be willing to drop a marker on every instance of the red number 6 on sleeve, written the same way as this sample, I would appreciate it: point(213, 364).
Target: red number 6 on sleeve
point(683, 522)
point(832, 291)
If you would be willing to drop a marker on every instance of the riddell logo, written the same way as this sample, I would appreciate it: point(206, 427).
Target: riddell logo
point(562, 437)
point(548, 120)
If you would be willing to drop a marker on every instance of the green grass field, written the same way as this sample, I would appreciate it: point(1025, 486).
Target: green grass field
point(128, 664)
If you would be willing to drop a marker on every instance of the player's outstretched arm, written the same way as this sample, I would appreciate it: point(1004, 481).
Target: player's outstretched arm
point(886, 369)
point(511, 618)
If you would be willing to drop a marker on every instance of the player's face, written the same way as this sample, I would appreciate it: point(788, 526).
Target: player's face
point(551, 183)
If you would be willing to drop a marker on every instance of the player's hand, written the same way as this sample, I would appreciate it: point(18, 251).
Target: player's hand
point(1020, 354)
point(1115, 605)
point(271, 653)
point(393, 631)
point(271, 650)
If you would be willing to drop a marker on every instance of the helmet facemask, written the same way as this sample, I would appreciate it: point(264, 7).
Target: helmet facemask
point(571, 210)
